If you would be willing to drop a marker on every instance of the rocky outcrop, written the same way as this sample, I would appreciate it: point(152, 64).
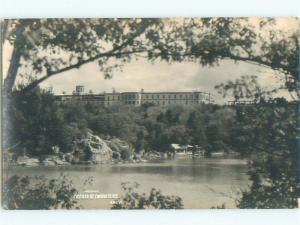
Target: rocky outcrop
point(26, 161)
point(89, 150)
point(96, 149)
point(53, 161)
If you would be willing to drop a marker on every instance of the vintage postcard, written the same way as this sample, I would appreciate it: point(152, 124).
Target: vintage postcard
point(150, 113)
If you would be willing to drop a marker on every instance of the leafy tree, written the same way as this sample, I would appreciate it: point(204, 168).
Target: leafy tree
point(246, 88)
point(71, 43)
point(268, 131)
point(277, 194)
point(141, 143)
point(155, 200)
point(196, 124)
point(177, 134)
point(37, 123)
point(252, 40)
point(39, 193)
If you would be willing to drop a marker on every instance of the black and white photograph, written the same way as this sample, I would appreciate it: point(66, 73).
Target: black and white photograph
point(150, 113)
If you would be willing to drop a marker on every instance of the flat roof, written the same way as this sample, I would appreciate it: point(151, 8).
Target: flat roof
point(175, 92)
point(117, 93)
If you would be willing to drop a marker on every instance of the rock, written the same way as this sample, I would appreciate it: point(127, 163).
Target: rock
point(153, 155)
point(60, 162)
point(96, 149)
point(68, 157)
point(116, 155)
point(51, 160)
point(26, 161)
point(48, 163)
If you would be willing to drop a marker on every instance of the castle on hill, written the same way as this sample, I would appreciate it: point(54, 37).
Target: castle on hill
point(138, 98)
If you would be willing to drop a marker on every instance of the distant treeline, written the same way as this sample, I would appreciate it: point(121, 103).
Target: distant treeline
point(269, 131)
point(35, 123)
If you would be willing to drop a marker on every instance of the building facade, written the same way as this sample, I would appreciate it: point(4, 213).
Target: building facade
point(140, 98)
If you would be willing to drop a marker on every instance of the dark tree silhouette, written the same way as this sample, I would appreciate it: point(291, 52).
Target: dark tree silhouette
point(48, 47)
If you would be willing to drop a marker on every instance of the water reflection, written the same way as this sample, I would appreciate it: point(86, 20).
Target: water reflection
point(199, 182)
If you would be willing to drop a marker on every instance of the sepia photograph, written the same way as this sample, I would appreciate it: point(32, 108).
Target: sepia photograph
point(150, 113)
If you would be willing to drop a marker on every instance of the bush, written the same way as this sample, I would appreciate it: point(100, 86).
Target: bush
point(39, 193)
point(155, 200)
point(272, 193)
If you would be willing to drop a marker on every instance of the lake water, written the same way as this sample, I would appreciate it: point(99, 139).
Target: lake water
point(201, 182)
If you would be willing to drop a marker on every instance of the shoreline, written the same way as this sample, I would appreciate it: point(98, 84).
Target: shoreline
point(131, 162)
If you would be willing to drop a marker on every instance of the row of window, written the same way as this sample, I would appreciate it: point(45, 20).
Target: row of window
point(133, 97)
point(170, 102)
point(157, 102)
point(179, 96)
point(113, 98)
point(132, 102)
point(126, 97)
point(126, 102)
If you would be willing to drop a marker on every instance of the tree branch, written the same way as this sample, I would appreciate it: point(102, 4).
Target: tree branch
point(114, 52)
point(76, 66)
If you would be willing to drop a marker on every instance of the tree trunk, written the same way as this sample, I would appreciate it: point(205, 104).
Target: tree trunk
point(4, 29)
point(12, 71)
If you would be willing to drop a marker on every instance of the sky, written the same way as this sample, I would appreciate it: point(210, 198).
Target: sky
point(159, 76)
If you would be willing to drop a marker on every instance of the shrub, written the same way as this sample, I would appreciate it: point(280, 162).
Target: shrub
point(38, 193)
point(155, 200)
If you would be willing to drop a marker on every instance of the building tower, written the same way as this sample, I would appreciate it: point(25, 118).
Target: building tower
point(79, 89)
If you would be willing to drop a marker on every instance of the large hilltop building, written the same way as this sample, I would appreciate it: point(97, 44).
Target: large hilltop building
point(138, 98)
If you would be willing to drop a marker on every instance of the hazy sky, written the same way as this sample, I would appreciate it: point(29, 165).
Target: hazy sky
point(160, 76)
